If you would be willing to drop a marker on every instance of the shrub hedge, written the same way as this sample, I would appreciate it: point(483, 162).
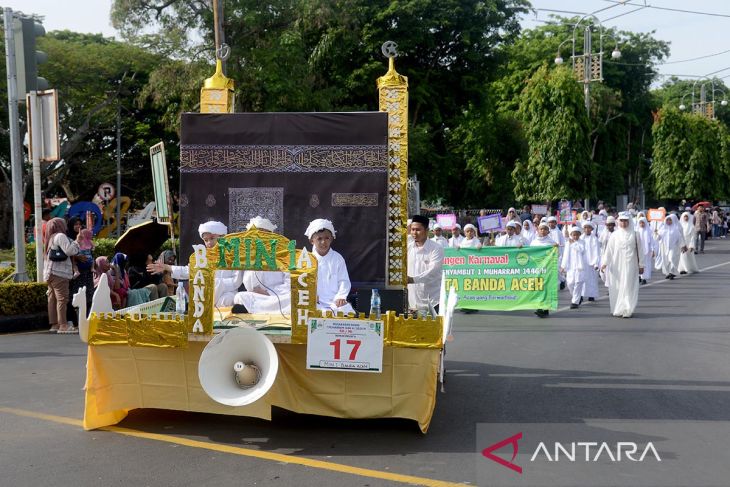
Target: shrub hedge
point(22, 298)
point(5, 272)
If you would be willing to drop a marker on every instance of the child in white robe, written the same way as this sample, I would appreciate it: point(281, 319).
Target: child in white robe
point(543, 239)
point(456, 237)
point(333, 281)
point(471, 241)
point(512, 238)
point(574, 265)
point(593, 256)
point(671, 246)
point(687, 260)
point(438, 236)
point(603, 240)
point(528, 232)
point(650, 247)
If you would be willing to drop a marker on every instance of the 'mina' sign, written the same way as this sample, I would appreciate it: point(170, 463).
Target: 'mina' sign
point(503, 278)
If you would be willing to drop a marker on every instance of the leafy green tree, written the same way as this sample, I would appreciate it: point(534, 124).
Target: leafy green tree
point(556, 129)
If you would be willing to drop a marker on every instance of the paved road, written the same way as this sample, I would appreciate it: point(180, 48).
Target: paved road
point(669, 362)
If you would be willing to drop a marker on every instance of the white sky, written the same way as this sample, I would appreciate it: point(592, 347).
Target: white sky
point(690, 35)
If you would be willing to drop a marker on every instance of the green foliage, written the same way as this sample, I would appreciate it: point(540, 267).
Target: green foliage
point(22, 298)
point(556, 129)
point(5, 272)
point(691, 157)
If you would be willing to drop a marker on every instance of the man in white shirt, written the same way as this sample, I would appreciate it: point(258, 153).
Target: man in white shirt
point(425, 261)
point(438, 236)
point(226, 282)
point(333, 281)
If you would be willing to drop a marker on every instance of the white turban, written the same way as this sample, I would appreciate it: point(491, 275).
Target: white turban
point(552, 219)
point(318, 225)
point(215, 228)
point(610, 219)
point(588, 223)
point(468, 226)
point(261, 224)
point(624, 216)
point(575, 228)
point(511, 224)
point(437, 227)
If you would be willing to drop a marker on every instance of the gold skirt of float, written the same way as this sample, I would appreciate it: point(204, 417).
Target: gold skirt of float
point(122, 377)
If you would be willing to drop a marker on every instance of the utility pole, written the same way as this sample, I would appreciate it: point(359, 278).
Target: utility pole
point(16, 156)
point(119, 167)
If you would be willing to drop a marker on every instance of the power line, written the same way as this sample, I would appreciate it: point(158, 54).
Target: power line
point(710, 14)
point(625, 13)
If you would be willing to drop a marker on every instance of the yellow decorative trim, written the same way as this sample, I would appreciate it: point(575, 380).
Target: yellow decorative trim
point(393, 95)
point(217, 93)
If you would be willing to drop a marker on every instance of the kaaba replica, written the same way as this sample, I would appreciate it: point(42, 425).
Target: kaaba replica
point(290, 168)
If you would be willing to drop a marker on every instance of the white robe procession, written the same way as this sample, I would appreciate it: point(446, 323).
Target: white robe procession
point(623, 259)
point(440, 240)
point(333, 281)
point(649, 247)
point(603, 240)
point(671, 242)
point(557, 235)
point(528, 232)
point(455, 242)
point(593, 256)
point(266, 292)
point(226, 283)
point(687, 260)
point(425, 265)
point(575, 264)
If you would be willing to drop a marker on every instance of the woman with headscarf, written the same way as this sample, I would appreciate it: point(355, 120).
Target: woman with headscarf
point(687, 260)
point(671, 246)
point(57, 272)
point(120, 278)
point(649, 247)
point(528, 232)
point(623, 261)
point(168, 257)
point(101, 271)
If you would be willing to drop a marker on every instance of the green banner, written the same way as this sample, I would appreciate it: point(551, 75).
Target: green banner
point(503, 278)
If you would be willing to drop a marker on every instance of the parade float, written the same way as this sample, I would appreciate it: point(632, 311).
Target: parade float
point(348, 167)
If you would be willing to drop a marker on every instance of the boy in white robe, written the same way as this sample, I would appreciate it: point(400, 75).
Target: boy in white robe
point(593, 256)
point(603, 240)
point(511, 238)
point(687, 260)
point(650, 247)
point(438, 236)
point(559, 239)
point(266, 292)
point(333, 281)
point(671, 246)
point(456, 237)
point(471, 241)
point(574, 265)
point(623, 262)
point(425, 264)
point(543, 239)
point(227, 282)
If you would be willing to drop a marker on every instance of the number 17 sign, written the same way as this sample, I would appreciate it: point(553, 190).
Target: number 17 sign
point(345, 345)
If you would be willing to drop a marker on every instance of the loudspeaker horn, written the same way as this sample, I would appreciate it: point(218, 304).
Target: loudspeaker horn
point(238, 366)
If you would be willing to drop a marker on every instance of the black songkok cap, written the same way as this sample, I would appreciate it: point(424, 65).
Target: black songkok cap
point(420, 219)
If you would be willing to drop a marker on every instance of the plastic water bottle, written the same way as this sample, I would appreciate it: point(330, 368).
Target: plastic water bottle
point(375, 304)
point(181, 303)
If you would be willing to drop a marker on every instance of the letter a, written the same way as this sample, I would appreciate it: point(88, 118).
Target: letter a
point(487, 452)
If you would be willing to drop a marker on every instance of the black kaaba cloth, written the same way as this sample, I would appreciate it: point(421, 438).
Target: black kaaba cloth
point(290, 168)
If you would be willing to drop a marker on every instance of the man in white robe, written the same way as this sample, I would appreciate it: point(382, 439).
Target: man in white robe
point(438, 236)
point(267, 292)
point(227, 282)
point(671, 246)
point(603, 240)
point(333, 281)
point(623, 262)
point(593, 256)
point(425, 263)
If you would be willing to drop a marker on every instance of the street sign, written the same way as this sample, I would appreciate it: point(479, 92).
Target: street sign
point(346, 345)
point(106, 191)
point(47, 108)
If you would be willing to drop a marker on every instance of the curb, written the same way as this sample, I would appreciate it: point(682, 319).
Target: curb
point(14, 324)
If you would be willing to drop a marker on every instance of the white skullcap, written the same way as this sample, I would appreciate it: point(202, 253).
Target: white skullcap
point(575, 228)
point(437, 227)
point(552, 219)
point(543, 224)
point(215, 228)
point(610, 219)
point(261, 224)
point(624, 216)
point(543, 220)
point(511, 224)
point(588, 223)
point(318, 225)
point(468, 226)
point(456, 225)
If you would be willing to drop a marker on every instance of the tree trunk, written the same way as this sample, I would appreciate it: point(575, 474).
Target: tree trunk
point(6, 212)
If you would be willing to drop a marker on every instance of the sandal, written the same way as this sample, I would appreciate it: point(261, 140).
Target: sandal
point(68, 330)
point(53, 329)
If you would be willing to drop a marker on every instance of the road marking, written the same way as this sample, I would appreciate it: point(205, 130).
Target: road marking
point(653, 283)
point(246, 452)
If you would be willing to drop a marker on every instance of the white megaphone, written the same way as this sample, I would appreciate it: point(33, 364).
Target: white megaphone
point(238, 366)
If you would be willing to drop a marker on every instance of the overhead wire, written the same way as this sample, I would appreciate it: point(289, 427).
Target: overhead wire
point(696, 12)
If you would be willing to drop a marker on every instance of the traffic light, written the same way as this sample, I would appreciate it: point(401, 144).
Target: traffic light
point(27, 58)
